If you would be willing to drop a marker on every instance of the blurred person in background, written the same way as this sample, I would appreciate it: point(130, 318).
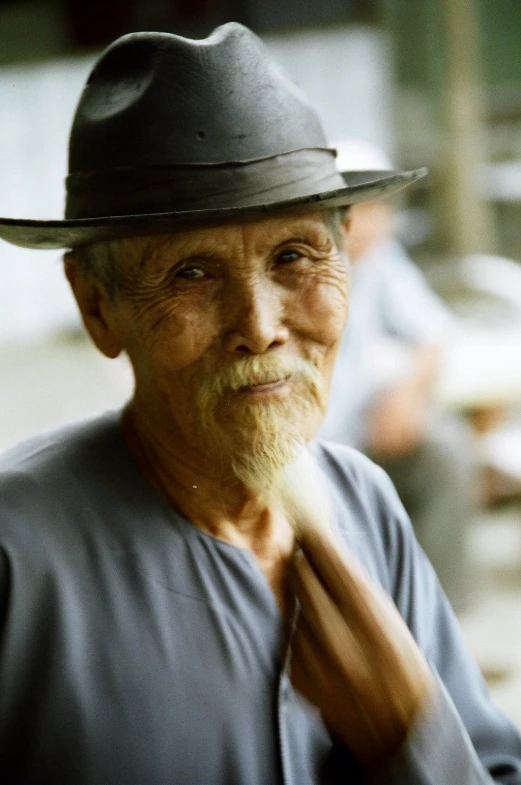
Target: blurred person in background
point(382, 398)
point(175, 603)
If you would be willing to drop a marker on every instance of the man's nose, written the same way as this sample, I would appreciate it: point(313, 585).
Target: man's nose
point(255, 318)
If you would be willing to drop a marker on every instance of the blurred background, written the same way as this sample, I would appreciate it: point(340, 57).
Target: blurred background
point(435, 83)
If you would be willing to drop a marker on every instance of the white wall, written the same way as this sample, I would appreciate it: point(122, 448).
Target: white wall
point(36, 106)
point(346, 72)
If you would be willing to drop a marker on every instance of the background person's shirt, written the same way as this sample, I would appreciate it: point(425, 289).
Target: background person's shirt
point(393, 311)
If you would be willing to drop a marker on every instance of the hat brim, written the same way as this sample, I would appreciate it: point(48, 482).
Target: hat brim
point(360, 187)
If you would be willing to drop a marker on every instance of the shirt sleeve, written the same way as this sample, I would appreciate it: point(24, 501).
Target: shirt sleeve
point(460, 738)
point(450, 759)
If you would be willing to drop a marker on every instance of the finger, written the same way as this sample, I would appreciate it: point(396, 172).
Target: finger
point(342, 705)
point(331, 561)
point(359, 616)
point(348, 666)
point(362, 601)
point(311, 672)
point(306, 664)
point(367, 695)
point(318, 609)
point(340, 574)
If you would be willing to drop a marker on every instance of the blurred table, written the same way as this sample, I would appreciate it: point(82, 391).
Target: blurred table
point(481, 369)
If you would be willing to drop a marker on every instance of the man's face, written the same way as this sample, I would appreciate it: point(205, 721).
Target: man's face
point(232, 331)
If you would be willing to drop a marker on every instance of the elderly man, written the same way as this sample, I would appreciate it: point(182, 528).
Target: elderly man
point(194, 591)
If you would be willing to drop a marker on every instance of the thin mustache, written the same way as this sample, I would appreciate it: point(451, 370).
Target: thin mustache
point(253, 379)
point(254, 371)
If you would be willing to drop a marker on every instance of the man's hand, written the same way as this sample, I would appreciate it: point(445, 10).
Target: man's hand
point(352, 654)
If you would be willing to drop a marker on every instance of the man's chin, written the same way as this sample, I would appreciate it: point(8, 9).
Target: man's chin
point(258, 441)
point(254, 455)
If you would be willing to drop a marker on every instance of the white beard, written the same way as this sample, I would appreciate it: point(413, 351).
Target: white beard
point(260, 438)
point(300, 488)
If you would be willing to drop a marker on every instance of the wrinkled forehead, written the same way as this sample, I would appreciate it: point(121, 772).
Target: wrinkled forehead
point(255, 237)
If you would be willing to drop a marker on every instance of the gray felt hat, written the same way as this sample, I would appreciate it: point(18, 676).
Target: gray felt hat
point(174, 132)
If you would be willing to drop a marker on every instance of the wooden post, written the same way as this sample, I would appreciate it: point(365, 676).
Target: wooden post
point(468, 216)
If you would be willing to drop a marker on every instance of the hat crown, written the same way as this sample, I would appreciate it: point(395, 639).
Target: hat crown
point(172, 132)
point(161, 99)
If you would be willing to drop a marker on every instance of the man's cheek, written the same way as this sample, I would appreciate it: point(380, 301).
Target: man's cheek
point(327, 307)
point(178, 337)
point(332, 283)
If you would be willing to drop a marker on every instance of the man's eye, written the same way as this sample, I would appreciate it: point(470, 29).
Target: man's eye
point(287, 257)
point(190, 273)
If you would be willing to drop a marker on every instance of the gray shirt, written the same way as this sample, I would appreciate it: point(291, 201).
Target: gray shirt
point(137, 650)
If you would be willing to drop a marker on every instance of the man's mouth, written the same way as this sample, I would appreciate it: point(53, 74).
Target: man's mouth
point(265, 387)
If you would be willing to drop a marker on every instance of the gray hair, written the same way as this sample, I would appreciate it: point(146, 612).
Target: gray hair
point(99, 261)
point(334, 219)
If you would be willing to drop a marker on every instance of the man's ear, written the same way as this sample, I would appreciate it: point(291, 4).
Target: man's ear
point(95, 307)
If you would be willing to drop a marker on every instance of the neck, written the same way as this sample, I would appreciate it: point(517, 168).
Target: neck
point(207, 495)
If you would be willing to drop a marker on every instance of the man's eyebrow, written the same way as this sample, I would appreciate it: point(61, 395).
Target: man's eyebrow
point(202, 245)
point(318, 234)
point(148, 254)
point(152, 249)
